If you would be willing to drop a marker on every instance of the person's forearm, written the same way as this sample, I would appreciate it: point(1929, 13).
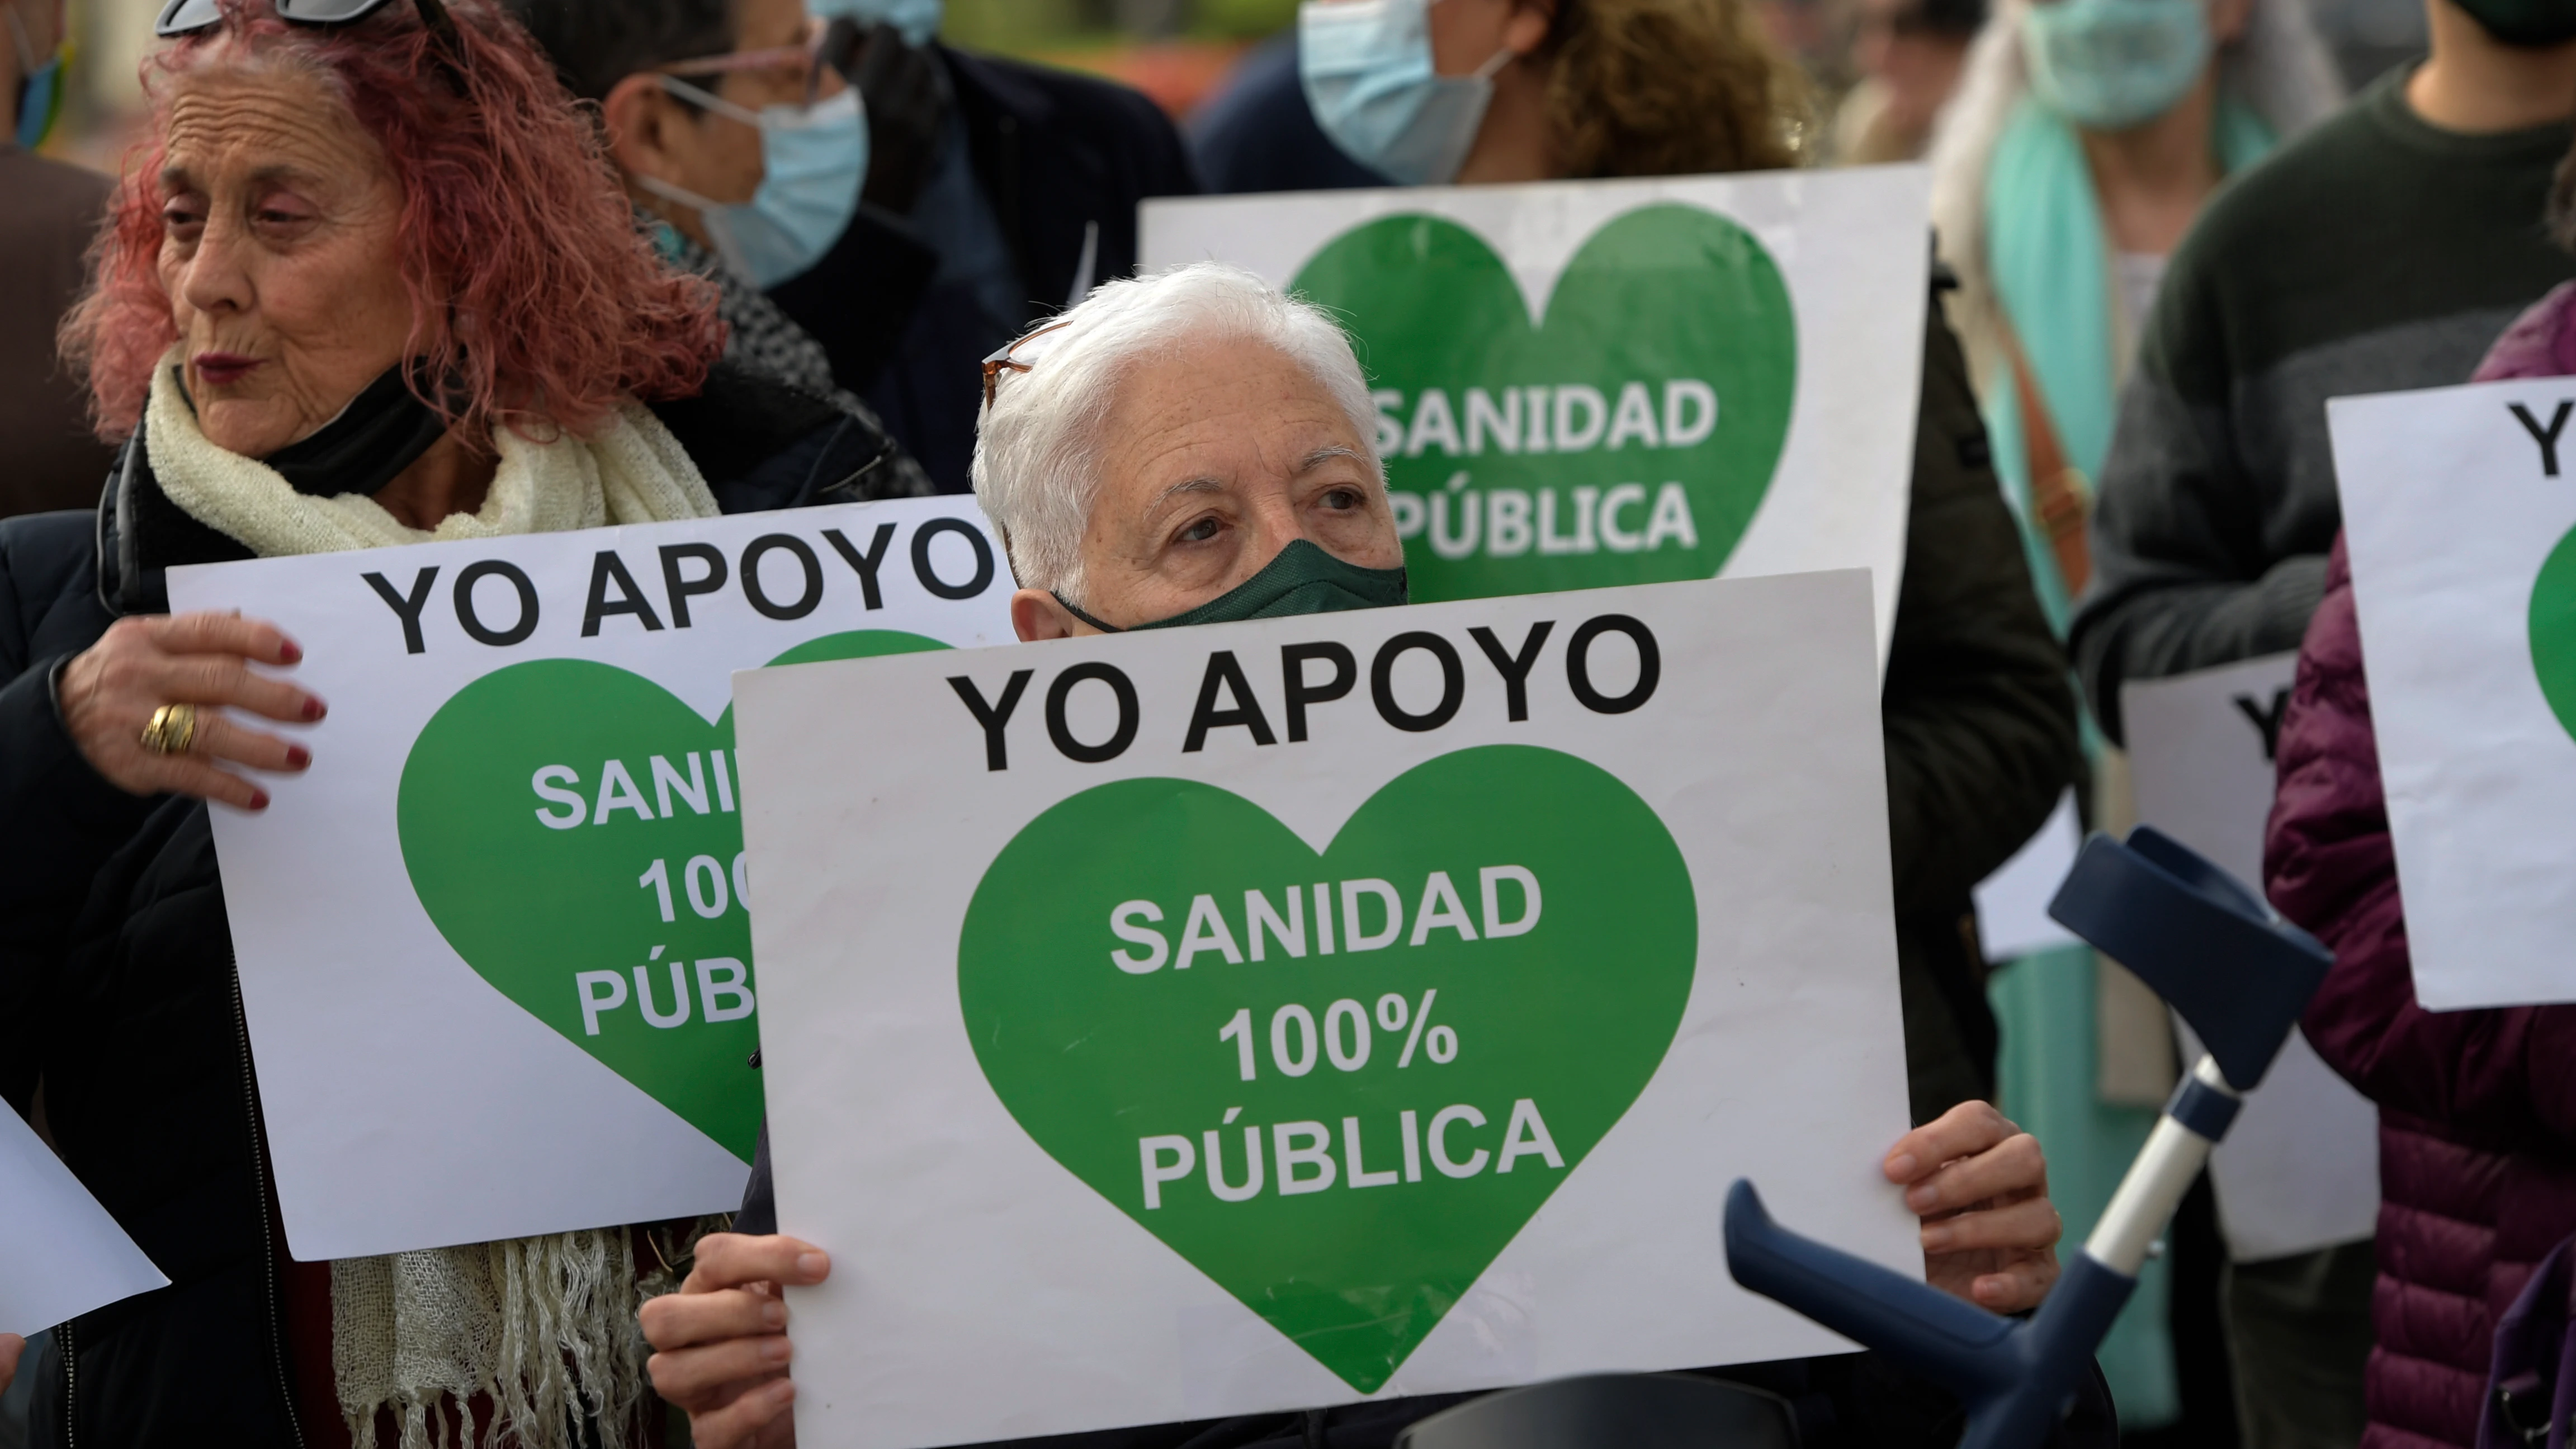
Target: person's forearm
point(2155, 627)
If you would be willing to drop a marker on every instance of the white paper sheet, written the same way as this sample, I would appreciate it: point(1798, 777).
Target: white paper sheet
point(2012, 904)
point(1848, 246)
point(62, 1254)
point(2300, 1169)
point(984, 1289)
point(2459, 514)
point(411, 1100)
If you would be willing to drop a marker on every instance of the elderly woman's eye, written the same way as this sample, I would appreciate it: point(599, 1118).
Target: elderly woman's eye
point(179, 215)
point(1342, 498)
point(1199, 531)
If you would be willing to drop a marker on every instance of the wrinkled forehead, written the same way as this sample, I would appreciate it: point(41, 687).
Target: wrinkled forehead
point(1218, 413)
point(234, 117)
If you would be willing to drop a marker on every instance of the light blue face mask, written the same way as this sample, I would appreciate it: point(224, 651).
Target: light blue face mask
point(42, 100)
point(917, 20)
point(813, 159)
point(1369, 79)
point(2110, 64)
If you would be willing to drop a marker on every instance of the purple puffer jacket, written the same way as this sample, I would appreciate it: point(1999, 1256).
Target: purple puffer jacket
point(2477, 1109)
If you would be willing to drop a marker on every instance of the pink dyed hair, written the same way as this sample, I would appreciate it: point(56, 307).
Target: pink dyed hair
point(533, 293)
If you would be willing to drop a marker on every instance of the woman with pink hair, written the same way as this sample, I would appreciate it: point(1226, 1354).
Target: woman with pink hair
point(368, 281)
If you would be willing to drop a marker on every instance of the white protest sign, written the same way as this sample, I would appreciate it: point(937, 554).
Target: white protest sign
point(62, 1255)
point(2460, 512)
point(493, 946)
point(2300, 1169)
point(1284, 1013)
point(1586, 383)
point(2012, 903)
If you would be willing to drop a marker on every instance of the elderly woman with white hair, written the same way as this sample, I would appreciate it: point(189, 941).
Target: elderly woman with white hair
point(1196, 447)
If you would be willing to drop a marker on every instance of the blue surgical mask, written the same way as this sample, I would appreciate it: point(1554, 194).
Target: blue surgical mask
point(2107, 65)
point(813, 160)
point(42, 98)
point(1369, 79)
point(916, 20)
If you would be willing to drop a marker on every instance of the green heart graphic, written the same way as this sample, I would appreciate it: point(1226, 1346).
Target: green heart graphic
point(1544, 1034)
point(2553, 631)
point(1669, 354)
point(535, 906)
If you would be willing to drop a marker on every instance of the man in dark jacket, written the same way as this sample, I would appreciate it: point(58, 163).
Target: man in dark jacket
point(117, 987)
point(1003, 192)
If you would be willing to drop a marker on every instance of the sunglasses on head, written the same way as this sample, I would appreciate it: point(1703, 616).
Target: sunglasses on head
point(187, 17)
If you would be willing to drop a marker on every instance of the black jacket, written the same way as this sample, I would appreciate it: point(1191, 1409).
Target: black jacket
point(1064, 159)
point(117, 985)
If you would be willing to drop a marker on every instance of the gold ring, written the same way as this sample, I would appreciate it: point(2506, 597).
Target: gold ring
point(172, 730)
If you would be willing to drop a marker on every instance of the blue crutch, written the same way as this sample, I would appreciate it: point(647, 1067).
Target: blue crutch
point(2240, 975)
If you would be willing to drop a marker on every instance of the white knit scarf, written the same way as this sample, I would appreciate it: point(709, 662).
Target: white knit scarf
point(632, 471)
point(545, 1327)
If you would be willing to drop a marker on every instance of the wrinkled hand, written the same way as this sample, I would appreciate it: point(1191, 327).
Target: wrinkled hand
point(143, 662)
point(720, 1343)
point(11, 1345)
point(1980, 1186)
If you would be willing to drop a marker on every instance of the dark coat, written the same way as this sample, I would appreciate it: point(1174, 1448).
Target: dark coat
point(2477, 1109)
point(1064, 160)
point(117, 985)
point(1259, 134)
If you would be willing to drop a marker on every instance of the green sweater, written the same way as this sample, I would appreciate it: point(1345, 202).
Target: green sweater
point(2374, 254)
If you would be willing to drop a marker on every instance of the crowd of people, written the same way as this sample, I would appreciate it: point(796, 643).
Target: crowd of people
point(388, 271)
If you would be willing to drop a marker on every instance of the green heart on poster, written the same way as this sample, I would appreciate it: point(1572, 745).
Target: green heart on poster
point(1626, 439)
point(2553, 631)
point(1345, 1131)
point(571, 828)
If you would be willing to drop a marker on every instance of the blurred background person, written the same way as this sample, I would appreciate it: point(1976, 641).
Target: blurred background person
point(2382, 250)
point(903, 227)
point(2477, 1108)
point(50, 212)
point(1024, 182)
point(2085, 138)
point(1257, 133)
point(1909, 55)
point(740, 142)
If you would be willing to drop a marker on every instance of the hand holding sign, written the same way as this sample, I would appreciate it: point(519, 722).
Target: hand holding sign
point(110, 691)
point(720, 1343)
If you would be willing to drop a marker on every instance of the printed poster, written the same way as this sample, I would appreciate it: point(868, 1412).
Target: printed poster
point(2460, 513)
point(62, 1255)
point(493, 946)
point(1277, 1014)
point(1588, 383)
point(2300, 1169)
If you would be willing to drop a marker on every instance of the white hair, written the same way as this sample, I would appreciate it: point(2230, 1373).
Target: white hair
point(1037, 447)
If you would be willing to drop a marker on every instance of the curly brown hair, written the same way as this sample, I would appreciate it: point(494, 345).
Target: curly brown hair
point(1670, 88)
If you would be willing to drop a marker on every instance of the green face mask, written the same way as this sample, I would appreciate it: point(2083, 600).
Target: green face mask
point(1303, 579)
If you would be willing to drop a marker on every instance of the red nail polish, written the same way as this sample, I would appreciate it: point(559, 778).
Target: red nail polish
point(259, 799)
point(297, 757)
point(289, 651)
point(314, 708)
